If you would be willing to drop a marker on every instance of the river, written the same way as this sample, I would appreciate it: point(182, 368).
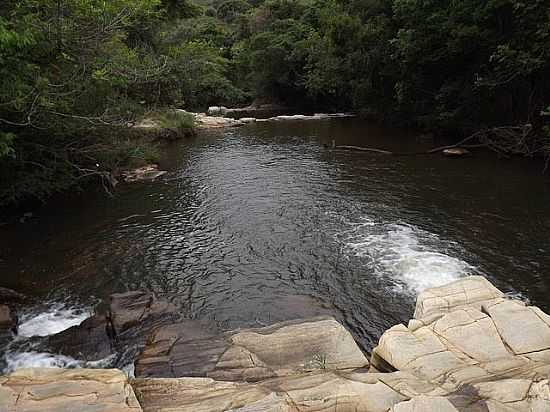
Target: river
point(263, 223)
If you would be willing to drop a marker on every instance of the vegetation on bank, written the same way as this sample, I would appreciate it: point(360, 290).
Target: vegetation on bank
point(75, 73)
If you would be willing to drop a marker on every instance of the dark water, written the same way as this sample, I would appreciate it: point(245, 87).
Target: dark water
point(262, 223)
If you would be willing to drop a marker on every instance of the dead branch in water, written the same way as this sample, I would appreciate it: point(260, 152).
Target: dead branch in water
point(362, 149)
point(505, 140)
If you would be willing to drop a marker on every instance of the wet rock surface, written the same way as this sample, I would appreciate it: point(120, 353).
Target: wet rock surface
point(11, 297)
point(129, 320)
point(10, 301)
point(7, 320)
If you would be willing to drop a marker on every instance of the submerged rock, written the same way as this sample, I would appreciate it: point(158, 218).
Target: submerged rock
point(196, 349)
point(56, 390)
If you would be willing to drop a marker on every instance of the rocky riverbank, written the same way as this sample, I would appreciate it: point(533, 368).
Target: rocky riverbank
point(467, 348)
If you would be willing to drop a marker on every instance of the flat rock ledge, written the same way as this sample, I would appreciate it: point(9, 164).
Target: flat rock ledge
point(468, 348)
point(58, 390)
point(196, 349)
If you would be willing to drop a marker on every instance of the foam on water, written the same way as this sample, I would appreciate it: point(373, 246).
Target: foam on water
point(54, 319)
point(44, 320)
point(407, 255)
point(19, 360)
point(36, 359)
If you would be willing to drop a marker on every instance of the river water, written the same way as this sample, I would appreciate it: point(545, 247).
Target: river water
point(263, 223)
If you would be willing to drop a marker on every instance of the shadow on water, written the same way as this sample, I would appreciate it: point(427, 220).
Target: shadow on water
point(262, 223)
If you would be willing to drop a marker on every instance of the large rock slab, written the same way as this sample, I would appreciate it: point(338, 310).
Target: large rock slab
point(525, 329)
point(194, 349)
point(57, 390)
point(425, 404)
point(484, 351)
point(312, 392)
point(472, 292)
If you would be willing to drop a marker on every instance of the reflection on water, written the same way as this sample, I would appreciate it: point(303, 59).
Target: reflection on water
point(262, 223)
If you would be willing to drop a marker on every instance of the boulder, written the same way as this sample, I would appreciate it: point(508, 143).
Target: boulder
point(214, 111)
point(56, 390)
point(11, 297)
point(194, 349)
point(8, 325)
point(7, 321)
point(126, 324)
point(217, 110)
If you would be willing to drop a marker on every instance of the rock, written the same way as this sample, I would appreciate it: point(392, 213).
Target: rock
point(197, 350)
point(479, 347)
point(316, 116)
point(7, 321)
point(472, 291)
point(143, 174)
point(213, 122)
point(425, 403)
point(56, 390)
point(248, 119)
point(217, 110)
point(8, 326)
point(214, 111)
point(458, 354)
point(468, 349)
point(455, 152)
point(11, 297)
point(293, 117)
point(524, 329)
point(126, 325)
point(257, 109)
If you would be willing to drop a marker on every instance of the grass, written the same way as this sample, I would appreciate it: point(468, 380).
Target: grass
point(180, 121)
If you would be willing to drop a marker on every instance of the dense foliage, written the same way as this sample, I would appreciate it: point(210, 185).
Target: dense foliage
point(71, 71)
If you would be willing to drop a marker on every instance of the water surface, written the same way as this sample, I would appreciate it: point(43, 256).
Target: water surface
point(263, 223)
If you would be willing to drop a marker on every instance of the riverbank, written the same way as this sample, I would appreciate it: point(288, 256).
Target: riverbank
point(467, 348)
